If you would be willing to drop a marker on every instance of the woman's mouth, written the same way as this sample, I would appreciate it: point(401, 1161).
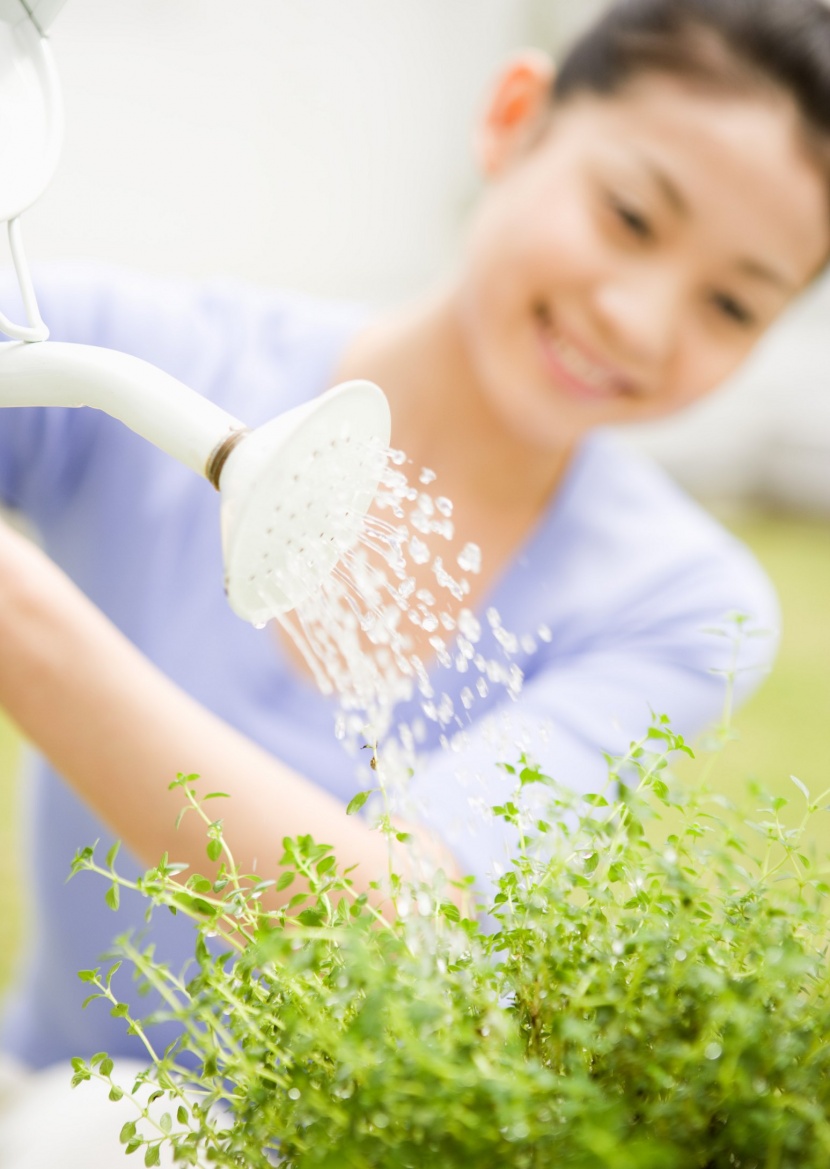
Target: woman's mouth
point(573, 368)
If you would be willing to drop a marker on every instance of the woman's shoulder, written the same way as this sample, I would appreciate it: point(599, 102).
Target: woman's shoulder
point(634, 544)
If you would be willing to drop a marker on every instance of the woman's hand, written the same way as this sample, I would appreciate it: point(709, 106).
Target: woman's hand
point(119, 731)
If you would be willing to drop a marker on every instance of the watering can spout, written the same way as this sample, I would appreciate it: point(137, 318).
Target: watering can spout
point(152, 403)
point(293, 492)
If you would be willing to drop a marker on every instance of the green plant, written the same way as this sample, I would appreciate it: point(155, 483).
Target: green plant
point(639, 998)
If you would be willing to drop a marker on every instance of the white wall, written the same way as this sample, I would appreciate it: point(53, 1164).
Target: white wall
point(323, 144)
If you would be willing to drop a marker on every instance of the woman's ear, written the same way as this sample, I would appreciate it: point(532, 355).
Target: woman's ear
point(515, 110)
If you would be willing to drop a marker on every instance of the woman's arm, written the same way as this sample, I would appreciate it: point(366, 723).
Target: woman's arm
point(119, 731)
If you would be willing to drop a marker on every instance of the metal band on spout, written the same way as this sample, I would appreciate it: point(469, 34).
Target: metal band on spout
point(219, 455)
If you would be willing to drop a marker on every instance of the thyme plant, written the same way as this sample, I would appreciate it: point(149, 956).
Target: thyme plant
point(648, 989)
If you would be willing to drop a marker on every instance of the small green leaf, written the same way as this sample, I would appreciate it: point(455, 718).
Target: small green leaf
point(127, 1132)
point(801, 787)
point(113, 897)
point(113, 853)
point(357, 802)
point(214, 849)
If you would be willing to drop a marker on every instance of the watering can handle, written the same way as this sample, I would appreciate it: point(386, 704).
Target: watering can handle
point(36, 330)
point(30, 135)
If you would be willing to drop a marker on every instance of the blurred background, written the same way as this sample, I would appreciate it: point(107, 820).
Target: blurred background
point(326, 146)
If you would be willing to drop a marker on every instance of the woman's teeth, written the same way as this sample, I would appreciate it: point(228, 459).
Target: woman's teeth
point(575, 362)
point(580, 366)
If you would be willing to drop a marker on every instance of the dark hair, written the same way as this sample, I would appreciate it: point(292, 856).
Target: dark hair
point(726, 45)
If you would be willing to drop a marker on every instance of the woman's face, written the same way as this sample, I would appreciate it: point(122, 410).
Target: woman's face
point(626, 260)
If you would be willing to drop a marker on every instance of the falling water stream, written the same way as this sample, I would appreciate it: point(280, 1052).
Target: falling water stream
point(392, 618)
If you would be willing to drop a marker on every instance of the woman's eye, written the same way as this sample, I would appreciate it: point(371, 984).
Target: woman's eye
point(733, 309)
point(634, 221)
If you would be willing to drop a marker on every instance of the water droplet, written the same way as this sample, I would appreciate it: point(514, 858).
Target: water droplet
point(420, 522)
point(508, 641)
point(444, 506)
point(397, 457)
point(544, 633)
point(446, 710)
point(713, 1051)
point(294, 1093)
point(427, 476)
point(481, 687)
point(418, 551)
point(469, 558)
point(469, 626)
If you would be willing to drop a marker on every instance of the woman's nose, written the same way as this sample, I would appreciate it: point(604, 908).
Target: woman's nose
point(640, 314)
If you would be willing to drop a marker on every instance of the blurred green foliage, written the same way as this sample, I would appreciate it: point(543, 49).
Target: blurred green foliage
point(782, 729)
point(633, 1003)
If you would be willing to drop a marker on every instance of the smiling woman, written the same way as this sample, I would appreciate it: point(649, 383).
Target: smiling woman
point(632, 250)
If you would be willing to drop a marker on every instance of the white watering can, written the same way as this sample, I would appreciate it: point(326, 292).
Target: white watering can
point(293, 492)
